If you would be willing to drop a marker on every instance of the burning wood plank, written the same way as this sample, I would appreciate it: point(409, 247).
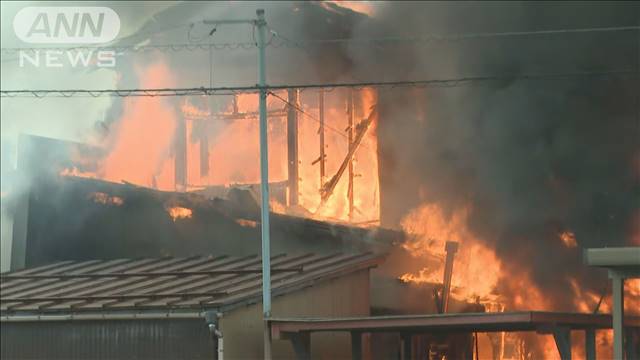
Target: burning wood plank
point(361, 129)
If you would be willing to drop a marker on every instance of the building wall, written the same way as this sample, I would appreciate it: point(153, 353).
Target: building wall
point(107, 339)
point(344, 296)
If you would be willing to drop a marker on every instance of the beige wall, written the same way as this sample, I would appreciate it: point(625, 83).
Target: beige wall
point(344, 296)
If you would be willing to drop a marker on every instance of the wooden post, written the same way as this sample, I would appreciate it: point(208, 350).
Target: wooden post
point(590, 343)
point(350, 135)
point(321, 131)
point(406, 346)
point(292, 146)
point(562, 336)
point(356, 345)
point(301, 345)
point(180, 151)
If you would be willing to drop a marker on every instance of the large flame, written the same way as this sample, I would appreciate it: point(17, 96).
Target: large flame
point(477, 269)
point(142, 147)
point(140, 142)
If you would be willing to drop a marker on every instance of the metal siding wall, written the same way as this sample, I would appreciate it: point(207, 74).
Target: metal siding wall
point(344, 296)
point(109, 339)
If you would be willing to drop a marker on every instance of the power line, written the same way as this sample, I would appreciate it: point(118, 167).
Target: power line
point(445, 37)
point(195, 91)
point(288, 42)
point(299, 109)
point(141, 48)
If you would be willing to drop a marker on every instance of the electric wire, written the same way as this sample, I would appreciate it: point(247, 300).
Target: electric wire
point(194, 91)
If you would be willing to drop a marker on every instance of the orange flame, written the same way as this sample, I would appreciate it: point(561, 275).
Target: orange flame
point(106, 199)
point(476, 269)
point(141, 143)
point(568, 239)
point(178, 212)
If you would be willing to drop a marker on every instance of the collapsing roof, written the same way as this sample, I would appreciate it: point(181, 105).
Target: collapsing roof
point(167, 284)
point(113, 221)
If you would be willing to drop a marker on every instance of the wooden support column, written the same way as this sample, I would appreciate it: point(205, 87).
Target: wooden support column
point(356, 345)
point(562, 336)
point(590, 343)
point(301, 345)
point(632, 343)
point(406, 349)
point(321, 132)
point(350, 116)
point(180, 151)
point(292, 146)
point(204, 155)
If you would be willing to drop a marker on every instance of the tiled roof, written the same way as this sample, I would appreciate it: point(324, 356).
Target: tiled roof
point(164, 283)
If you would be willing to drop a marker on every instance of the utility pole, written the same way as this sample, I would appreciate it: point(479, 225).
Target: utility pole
point(264, 184)
point(261, 25)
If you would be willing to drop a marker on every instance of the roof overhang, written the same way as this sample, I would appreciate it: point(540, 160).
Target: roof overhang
point(622, 260)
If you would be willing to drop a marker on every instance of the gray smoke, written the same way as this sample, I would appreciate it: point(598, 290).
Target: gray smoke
point(532, 157)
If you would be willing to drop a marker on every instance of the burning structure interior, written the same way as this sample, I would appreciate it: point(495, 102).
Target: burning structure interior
point(471, 203)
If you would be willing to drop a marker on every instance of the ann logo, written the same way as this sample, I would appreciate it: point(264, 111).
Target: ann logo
point(66, 25)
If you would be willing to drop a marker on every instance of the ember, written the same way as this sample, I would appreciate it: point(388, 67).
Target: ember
point(178, 212)
point(568, 239)
point(104, 198)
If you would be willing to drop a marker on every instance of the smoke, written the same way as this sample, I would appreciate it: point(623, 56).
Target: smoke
point(530, 158)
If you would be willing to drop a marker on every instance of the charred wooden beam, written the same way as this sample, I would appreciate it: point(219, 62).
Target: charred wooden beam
point(361, 129)
point(292, 145)
point(350, 135)
point(204, 155)
point(321, 132)
point(180, 152)
point(451, 248)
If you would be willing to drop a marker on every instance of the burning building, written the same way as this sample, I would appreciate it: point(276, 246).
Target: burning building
point(529, 156)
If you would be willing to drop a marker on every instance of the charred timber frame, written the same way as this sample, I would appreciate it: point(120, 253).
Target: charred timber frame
point(350, 114)
point(180, 151)
point(322, 158)
point(451, 247)
point(292, 145)
point(361, 129)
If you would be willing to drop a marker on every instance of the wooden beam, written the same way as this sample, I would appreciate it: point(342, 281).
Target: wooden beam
point(361, 129)
point(590, 343)
point(351, 145)
point(321, 132)
point(356, 345)
point(301, 345)
point(292, 146)
point(180, 152)
point(562, 336)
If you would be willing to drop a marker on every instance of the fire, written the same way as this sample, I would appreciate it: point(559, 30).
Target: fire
point(568, 239)
point(234, 153)
point(246, 223)
point(178, 212)
point(363, 7)
point(141, 141)
point(106, 199)
point(632, 296)
point(221, 148)
point(73, 171)
point(476, 268)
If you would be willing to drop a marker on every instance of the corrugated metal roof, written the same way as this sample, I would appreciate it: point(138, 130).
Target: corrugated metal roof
point(164, 283)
